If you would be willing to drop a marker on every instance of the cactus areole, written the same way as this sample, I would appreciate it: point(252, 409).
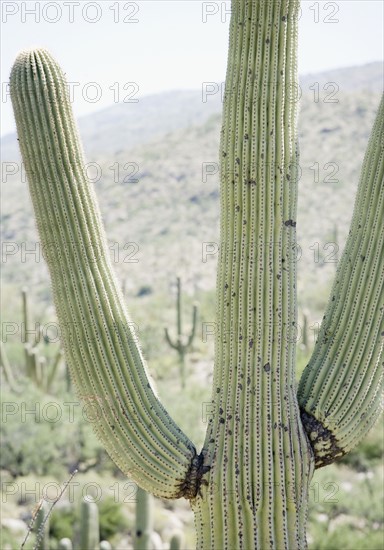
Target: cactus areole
point(248, 486)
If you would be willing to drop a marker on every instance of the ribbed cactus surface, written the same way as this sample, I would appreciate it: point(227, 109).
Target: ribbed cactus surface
point(260, 459)
point(100, 346)
point(144, 520)
point(341, 390)
point(89, 526)
point(249, 485)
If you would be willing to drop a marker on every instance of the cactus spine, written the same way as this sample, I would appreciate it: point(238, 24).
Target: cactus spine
point(89, 528)
point(249, 485)
point(182, 343)
point(144, 520)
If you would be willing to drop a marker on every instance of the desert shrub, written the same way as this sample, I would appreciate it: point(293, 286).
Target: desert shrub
point(111, 517)
point(40, 436)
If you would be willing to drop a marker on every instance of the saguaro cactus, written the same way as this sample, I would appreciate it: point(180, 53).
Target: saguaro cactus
point(38, 369)
point(249, 485)
point(176, 542)
point(89, 528)
point(144, 520)
point(41, 527)
point(182, 343)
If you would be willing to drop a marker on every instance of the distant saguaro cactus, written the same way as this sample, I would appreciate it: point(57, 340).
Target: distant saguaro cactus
point(182, 343)
point(38, 368)
point(144, 520)
point(176, 542)
point(249, 485)
point(89, 526)
point(41, 527)
point(304, 330)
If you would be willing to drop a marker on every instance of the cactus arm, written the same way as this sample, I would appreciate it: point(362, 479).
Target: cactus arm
point(168, 338)
point(25, 325)
point(52, 373)
point(341, 389)
point(24, 298)
point(178, 309)
point(193, 330)
point(105, 361)
point(259, 457)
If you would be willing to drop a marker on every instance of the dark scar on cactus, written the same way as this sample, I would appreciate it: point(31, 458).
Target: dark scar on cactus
point(190, 487)
point(325, 445)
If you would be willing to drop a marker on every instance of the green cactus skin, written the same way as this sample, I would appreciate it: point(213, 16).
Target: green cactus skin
point(249, 486)
point(341, 389)
point(144, 520)
point(24, 331)
point(65, 544)
point(260, 460)
point(304, 331)
point(89, 528)
point(51, 375)
point(182, 344)
point(100, 348)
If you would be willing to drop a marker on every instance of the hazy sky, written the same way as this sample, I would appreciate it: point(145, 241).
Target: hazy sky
point(162, 45)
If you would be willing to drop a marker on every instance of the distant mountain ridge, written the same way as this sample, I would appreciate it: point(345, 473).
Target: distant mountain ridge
point(155, 191)
point(368, 77)
point(127, 125)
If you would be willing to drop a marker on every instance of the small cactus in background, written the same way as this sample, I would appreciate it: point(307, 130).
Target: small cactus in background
point(38, 368)
point(25, 329)
point(144, 520)
point(105, 545)
point(176, 542)
point(41, 527)
point(304, 330)
point(182, 343)
point(89, 526)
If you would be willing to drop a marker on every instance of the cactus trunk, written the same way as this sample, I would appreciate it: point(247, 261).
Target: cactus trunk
point(260, 459)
